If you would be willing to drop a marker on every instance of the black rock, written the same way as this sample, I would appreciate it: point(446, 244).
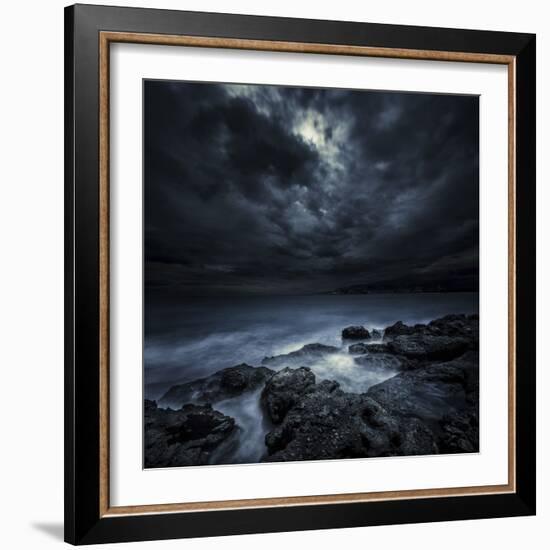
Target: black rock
point(460, 432)
point(356, 333)
point(454, 325)
point(375, 334)
point(223, 384)
point(283, 390)
point(428, 347)
point(428, 392)
point(328, 423)
point(305, 356)
point(383, 361)
point(400, 329)
point(416, 438)
point(362, 348)
point(442, 396)
point(457, 326)
point(184, 437)
point(430, 406)
point(443, 339)
point(449, 325)
point(358, 348)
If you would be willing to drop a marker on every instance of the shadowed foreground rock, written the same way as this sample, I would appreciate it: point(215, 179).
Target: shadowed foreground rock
point(430, 406)
point(184, 437)
point(226, 383)
point(442, 395)
point(283, 391)
point(328, 423)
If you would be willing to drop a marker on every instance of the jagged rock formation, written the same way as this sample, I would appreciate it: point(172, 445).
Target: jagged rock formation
point(428, 405)
point(226, 383)
point(184, 437)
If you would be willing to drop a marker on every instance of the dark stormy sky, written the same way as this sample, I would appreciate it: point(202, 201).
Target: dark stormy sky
point(278, 190)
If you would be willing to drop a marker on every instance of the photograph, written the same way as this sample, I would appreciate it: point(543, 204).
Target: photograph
point(310, 273)
point(275, 275)
point(299, 273)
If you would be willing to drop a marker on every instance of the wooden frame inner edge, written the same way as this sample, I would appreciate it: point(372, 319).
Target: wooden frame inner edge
point(105, 39)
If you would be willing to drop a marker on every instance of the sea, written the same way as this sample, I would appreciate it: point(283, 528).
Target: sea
point(186, 338)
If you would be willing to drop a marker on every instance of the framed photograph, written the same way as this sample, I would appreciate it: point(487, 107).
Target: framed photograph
point(300, 274)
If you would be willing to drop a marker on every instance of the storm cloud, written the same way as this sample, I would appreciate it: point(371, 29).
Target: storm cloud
point(254, 189)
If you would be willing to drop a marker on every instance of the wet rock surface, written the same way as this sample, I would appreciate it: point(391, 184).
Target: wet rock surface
point(183, 437)
point(363, 348)
point(443, 395)
point(430, 407)
point(356, 333)
point(443, 339)
point(466, 326)
point(223, 384)
point(459, 433)
point(429, 347)
point(329, 423)
point(383, 360)
point(428, 404)
point(400, 329)
point(306, 355)
point(283, 391)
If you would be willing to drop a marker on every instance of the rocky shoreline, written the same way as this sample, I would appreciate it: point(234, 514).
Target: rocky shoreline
point(430, 406)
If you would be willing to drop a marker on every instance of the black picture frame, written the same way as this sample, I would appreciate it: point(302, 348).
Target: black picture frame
point(84, 524)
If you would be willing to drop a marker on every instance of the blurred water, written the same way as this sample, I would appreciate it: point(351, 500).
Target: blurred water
point(247, 444)
point(188, 338)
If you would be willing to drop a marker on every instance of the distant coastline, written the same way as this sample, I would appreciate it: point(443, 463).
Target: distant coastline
point(402, 288)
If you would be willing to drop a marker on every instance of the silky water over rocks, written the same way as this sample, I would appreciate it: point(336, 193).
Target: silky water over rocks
point(264, 379)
